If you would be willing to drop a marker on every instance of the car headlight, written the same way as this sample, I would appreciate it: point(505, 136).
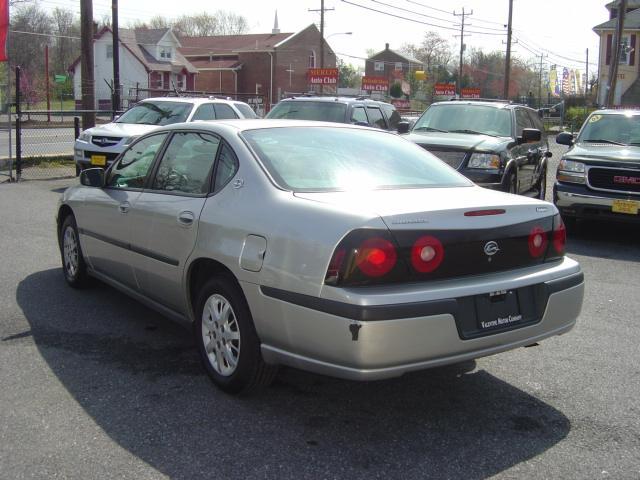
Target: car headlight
point(484, 160)
point(85, 137)
point(570, 171)
point(130, 140)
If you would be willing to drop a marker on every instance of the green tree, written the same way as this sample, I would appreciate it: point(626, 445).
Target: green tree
point(349, 76)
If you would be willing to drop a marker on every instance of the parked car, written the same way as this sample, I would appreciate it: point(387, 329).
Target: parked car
point(342, 250)
point(599, 176)
point(496, 144)
point(100, 145)
point(360, 111)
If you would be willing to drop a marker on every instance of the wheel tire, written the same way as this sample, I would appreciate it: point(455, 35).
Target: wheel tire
point(541, 186)
point(225, 334)
point(73, 264)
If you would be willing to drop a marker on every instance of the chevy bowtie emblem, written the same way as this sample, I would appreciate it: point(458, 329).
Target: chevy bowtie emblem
point(490, 249)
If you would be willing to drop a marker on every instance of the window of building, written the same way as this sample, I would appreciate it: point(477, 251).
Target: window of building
point(109, 51)
point(625, 49)
point(398, 66)
point(165, 53)
point(312, 59)
point(378, 66)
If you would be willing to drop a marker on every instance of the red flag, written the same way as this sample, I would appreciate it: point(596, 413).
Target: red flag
point(4, 29)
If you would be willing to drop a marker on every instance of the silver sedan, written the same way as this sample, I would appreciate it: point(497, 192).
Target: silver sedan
point(337, 249)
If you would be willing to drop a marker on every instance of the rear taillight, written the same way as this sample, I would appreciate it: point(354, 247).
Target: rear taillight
point(427, 254)
point(376, 257)
point(559, 236)
point(537, 242)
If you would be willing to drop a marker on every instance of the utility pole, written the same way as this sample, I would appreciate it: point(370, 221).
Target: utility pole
point(542, 55)
point(586, 82)
point(463, 15)
point(86, 64)
point(47, 84)
point(116, 57)
point(322, 10)
point(507, 61)
point(615, 54)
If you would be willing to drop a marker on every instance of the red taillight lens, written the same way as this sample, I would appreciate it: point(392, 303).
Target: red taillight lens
point(427, 254)
point(537, 242)
point(376, 257)
point(335, 265)
point(559, 235)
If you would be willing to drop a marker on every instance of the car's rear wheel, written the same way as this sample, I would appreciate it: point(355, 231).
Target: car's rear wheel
point(227, 341)
point(73, 264)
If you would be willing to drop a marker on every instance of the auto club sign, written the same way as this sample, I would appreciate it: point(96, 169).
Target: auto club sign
point(470, 93)
point(446, 89)
point(323, 76)
point(375, 84)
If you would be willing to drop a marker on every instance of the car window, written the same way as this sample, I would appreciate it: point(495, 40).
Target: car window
point(186, 163)
point(204, 112)
point(536, 121)
point(157, 113)
point(392, 115)
point(359, 115)
point(132, 169)
point(466, 118)
point(245, 110)
point(308, 110)
point(522, 121)
point(226, 167)
point(316, 159)
point(224, 111)
point(375, 118)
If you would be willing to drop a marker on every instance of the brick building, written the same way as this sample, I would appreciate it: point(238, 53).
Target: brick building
point(391, 65)
point(268, 64)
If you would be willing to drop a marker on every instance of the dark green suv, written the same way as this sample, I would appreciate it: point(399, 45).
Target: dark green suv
point(494, 143)
point(360, 111)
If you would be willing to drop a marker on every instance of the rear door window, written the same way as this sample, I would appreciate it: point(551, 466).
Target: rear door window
point(358, 114)
point(204, 112)
point(224, 111)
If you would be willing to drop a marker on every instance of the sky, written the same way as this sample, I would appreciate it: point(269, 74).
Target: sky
point(560, 30)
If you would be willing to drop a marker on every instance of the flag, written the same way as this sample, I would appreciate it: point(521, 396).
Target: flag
point(553, 80)
point(4, 29)
point(566, 87)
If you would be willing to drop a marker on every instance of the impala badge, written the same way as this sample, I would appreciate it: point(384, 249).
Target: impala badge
point(490, 249)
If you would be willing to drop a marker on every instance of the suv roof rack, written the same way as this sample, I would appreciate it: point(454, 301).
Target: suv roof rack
point(493, 100)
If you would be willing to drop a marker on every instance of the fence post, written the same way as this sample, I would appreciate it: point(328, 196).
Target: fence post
point(76, 127)
point(18, 128)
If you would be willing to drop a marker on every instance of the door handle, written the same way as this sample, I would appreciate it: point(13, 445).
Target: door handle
point(186, 218)
point(124, 207)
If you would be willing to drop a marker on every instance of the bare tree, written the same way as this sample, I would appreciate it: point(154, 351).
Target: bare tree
point(66, 45)
point(434, 52)
point(31, 30)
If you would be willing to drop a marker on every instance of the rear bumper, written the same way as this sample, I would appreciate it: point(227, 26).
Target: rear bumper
point(370, 342)
point(577, 201)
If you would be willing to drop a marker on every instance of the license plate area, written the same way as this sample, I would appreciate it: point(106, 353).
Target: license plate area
point(496, 312)
point(99, 160)
point(629, 207)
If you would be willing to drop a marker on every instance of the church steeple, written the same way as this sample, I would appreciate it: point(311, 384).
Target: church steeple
point(275, 25)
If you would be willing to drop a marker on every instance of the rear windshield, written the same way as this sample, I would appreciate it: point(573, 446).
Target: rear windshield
point(307, 110)
point(611, 128)
point(157, 113)
point(465, 118)
point(317, 159)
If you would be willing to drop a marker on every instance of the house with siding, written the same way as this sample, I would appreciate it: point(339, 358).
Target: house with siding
point(150, 59)
point(627, 89)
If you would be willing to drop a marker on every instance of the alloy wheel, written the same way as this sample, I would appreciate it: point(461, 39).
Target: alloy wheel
point(220, 335)
point(70, 252)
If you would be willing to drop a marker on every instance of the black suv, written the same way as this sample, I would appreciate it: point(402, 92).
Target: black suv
point(599, 177)
point(494, 143)
point(359, 111)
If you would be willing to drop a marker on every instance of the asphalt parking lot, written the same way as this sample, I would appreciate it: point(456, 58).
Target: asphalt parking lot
point(94, 385)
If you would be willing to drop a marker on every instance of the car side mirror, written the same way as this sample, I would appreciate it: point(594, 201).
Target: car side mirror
point(92, 177)
point(530, 135)
point(565, 138)
point(403, 127)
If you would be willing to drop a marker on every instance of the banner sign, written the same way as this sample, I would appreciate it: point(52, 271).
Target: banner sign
point(323, 76)
point(4, 28)
point(448, 89)
point(401, 104)
point(376, 84)
point(470, 93)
